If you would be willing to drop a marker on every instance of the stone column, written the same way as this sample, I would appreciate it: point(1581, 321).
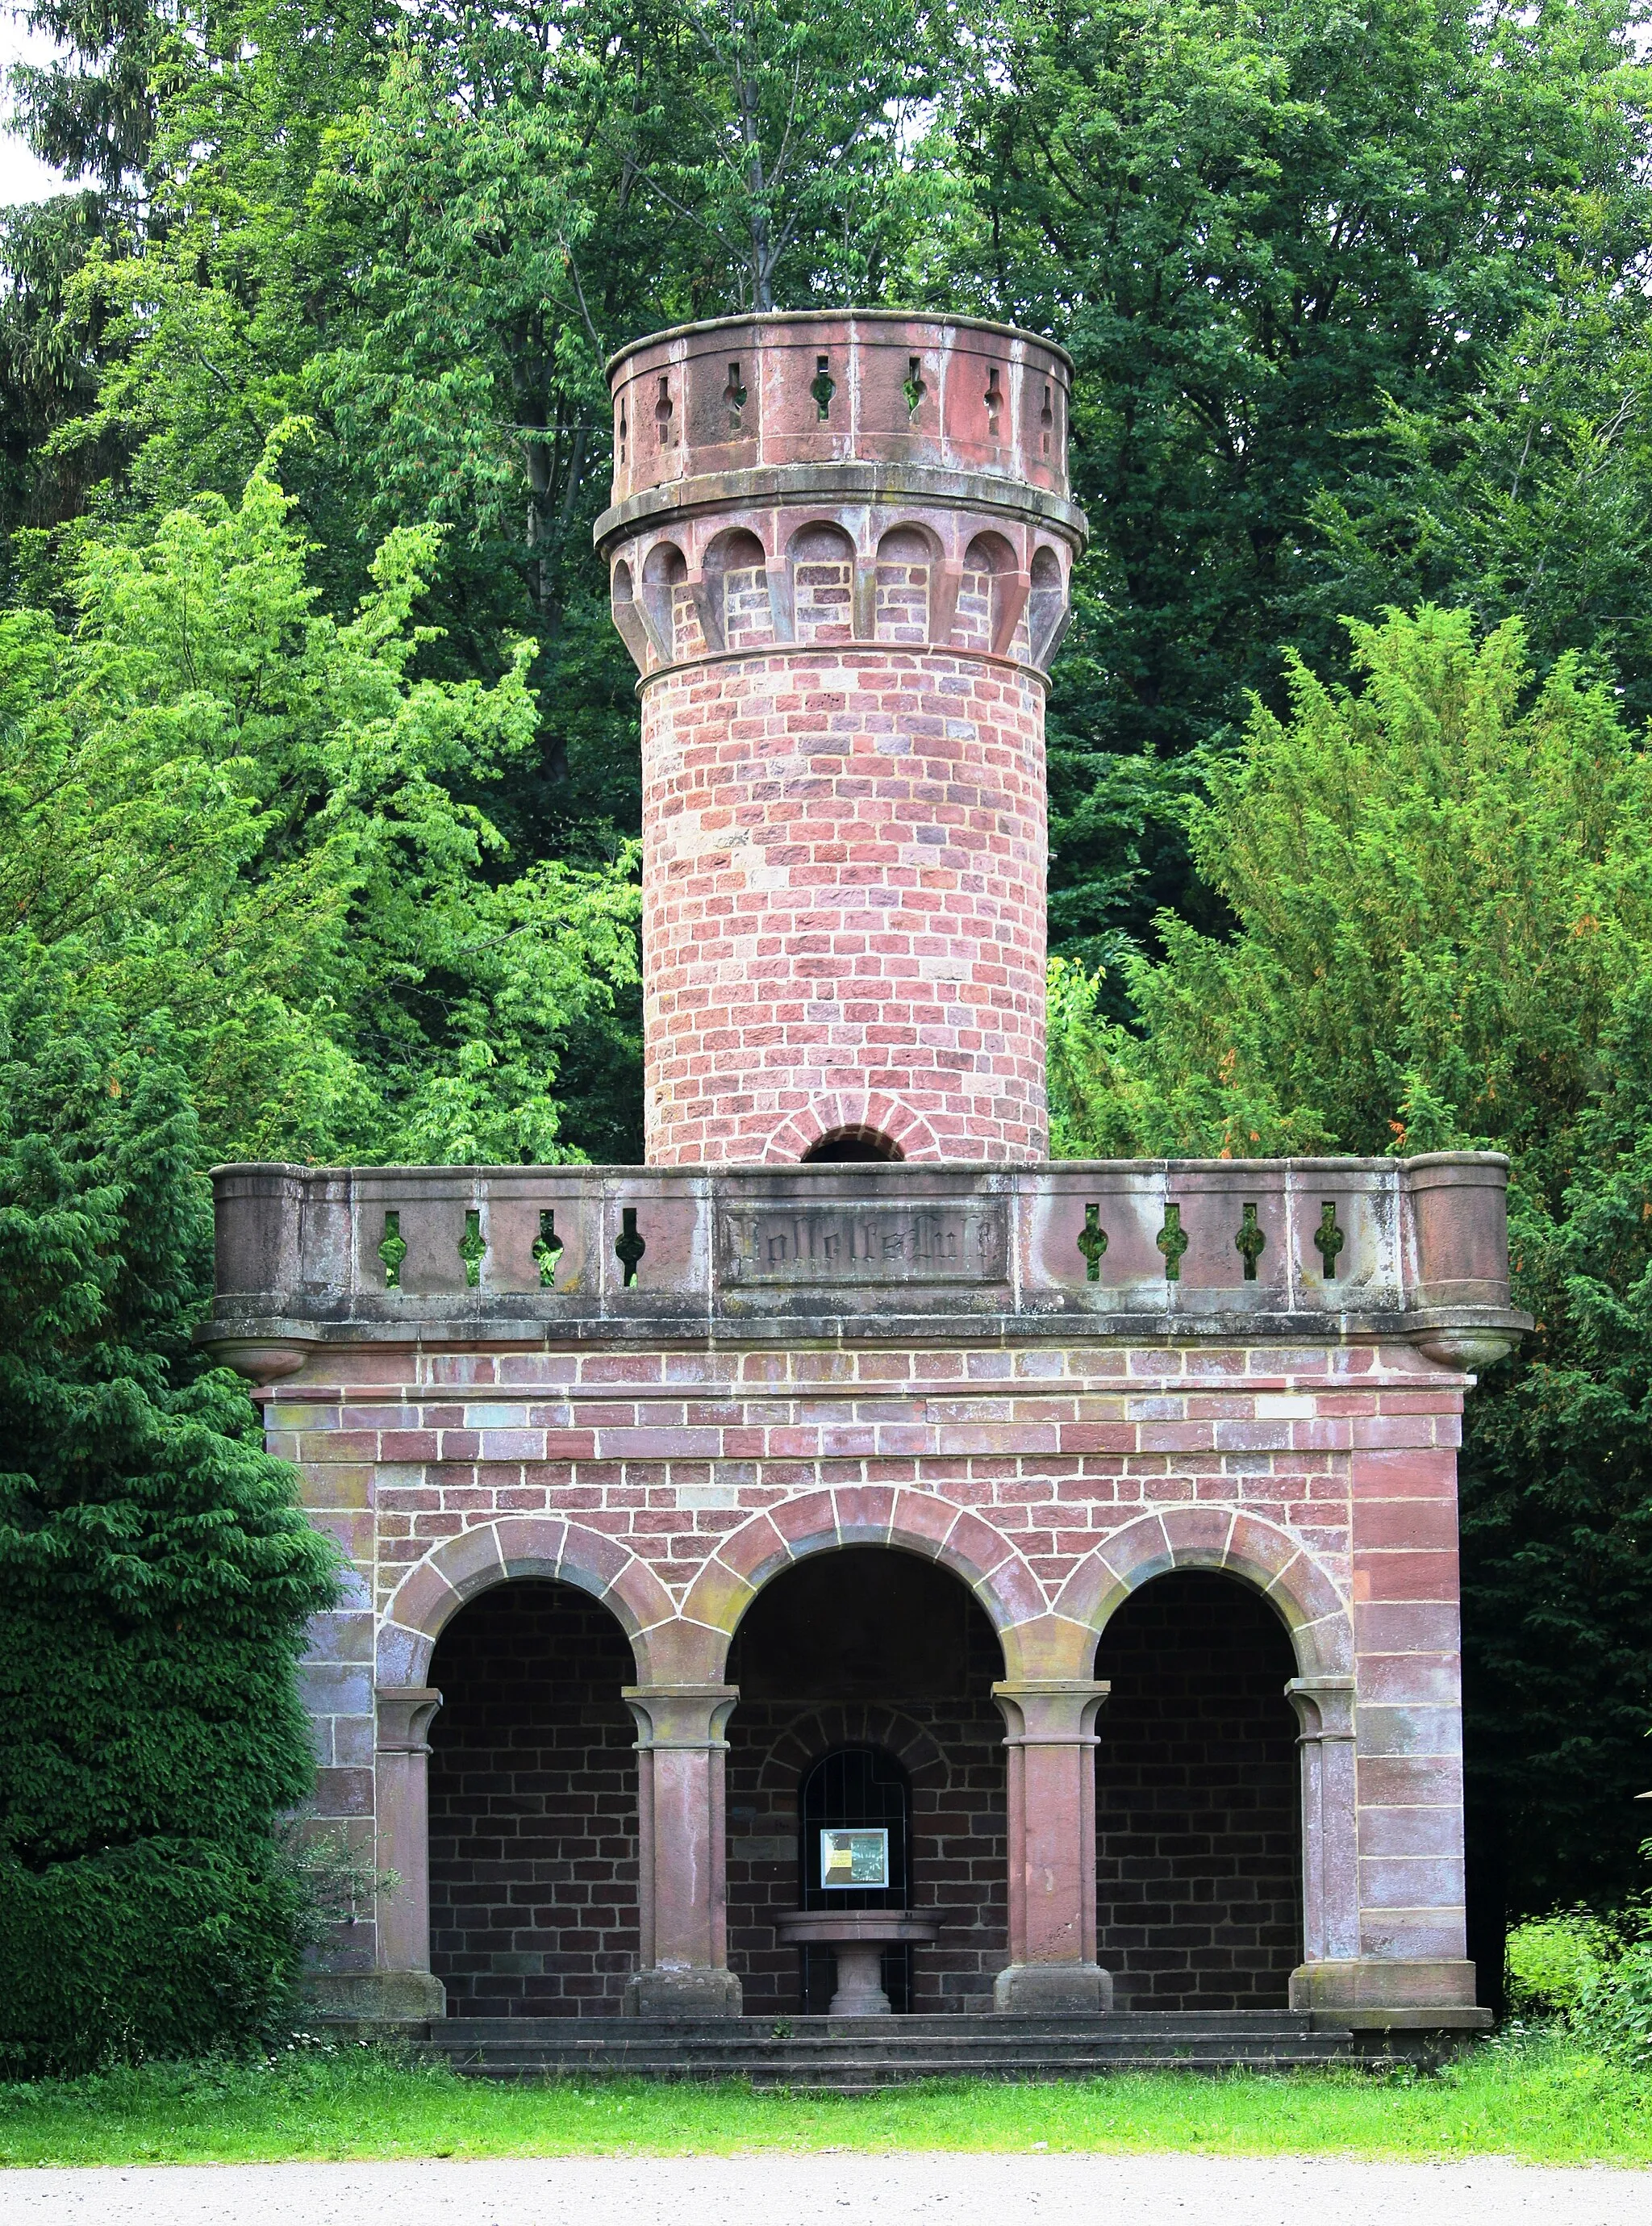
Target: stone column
point(403, 1986)
point(682, 1883)
point(1053, 1970)
point(1325, 1708)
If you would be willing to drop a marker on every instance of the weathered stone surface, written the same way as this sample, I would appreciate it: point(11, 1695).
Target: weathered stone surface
point(946, 1252)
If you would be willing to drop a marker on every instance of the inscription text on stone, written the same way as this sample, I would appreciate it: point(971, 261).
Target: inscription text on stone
point(786, 1243)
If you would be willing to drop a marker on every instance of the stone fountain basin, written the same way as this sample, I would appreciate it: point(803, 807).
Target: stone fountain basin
point(859, 1938)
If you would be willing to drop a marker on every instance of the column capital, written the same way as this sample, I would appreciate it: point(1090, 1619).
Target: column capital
point(1324, 1707)
point(1049, 1711)
point(405, 1714)
point(689, 1717)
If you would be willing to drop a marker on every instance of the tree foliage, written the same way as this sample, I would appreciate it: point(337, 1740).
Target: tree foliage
point(1441, 882)
point(155, 1574)
point(1251, 225)
point(242, 810)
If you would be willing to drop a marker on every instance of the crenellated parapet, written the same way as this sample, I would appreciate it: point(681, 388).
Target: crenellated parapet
point(833, 478)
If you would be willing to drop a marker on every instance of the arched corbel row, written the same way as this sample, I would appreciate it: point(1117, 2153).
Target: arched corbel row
point(821, 589)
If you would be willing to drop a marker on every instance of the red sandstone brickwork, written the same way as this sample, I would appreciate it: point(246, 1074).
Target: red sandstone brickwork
point(1197, 1817)
point(844, 897)
point(843, 848)
point(533, 1807)
point(689, 1475)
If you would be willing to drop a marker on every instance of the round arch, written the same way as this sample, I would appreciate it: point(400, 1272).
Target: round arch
point(815, 1731)
point(846, 1112)
point(857, 1515)
point(909, 542)
point(1259, 1554)
point(825, 539)
point(488, 1554)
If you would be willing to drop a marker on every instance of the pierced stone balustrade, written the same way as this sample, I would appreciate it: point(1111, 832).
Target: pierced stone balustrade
point(1263, 1248)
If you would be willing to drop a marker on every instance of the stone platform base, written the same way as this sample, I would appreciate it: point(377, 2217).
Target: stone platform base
point(371, 1999)
point(674, 1995)
point(857, 2055)
point(1377, 1992)
point(1053, 1990)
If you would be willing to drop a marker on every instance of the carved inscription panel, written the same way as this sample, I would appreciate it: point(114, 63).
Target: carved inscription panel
point(785, 1241)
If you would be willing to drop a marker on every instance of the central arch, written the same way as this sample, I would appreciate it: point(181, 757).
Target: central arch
point(912, 1522)
point(863, 1649)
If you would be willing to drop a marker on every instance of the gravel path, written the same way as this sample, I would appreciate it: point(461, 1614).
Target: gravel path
point(825, 2189)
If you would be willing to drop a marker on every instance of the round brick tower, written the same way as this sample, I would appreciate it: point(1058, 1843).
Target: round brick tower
point(839, 549)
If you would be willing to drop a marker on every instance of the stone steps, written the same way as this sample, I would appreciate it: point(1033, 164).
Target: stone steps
point(863, 2055)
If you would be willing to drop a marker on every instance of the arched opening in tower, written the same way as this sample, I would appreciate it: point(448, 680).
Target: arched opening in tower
point(866, 1681)
point(863, 1144)
point(533, 1806)
point(1198, 1812)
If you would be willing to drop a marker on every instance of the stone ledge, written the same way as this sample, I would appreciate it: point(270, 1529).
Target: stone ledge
point(375, 1999)
point(1401, 2021)
point(896, 320)
point(268, 1346)
point(809, 485)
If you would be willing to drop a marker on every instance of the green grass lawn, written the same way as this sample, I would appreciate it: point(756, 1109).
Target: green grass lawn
point(1542, 2099)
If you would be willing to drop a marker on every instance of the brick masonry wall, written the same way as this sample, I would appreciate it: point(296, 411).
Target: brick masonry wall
point(533, 1807)
point(954, 1755)
point(843, 892)
point(1197, 1814)
point(1045, 1454)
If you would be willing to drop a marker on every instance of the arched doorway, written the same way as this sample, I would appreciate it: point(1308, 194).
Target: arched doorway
point(533, 1806)
point(854, 1143)
point(870, 1650)
point(1198, 1810)
point(854, 1790)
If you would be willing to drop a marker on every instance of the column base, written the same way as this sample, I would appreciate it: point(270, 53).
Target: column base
point(702, 1994)
point(1053, 1990)
point(1381, 1988)
point(376, 1997)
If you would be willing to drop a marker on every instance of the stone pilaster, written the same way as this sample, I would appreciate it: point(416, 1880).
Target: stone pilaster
point(401, 1988)
point(1325, 1709)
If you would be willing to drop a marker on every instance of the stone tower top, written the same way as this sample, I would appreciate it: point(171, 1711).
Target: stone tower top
point(839, 552)
point(943, 402)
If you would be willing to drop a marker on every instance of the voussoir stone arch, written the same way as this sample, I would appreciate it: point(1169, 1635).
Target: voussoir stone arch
point(857, 1515)
point(815, 1731)
point(487, 1553)
point(1259, 1553)
point(838, 1112)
